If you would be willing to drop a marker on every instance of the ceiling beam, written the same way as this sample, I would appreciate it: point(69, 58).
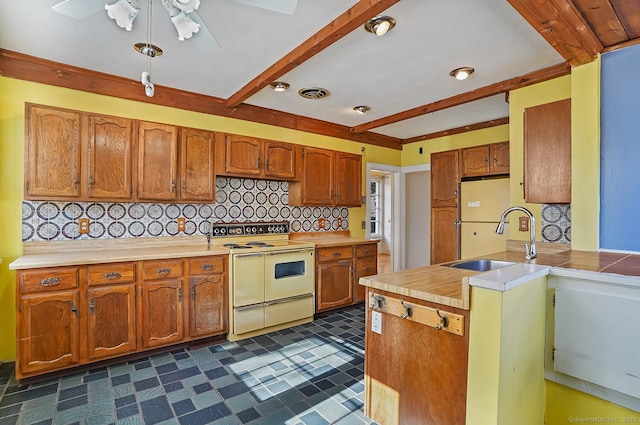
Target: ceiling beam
point(564, 28)
point(458, 130)
point(481, 93)
point(353, 18)
point(30, 68)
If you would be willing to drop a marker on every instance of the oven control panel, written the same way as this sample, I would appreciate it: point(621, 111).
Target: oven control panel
point(247, 229)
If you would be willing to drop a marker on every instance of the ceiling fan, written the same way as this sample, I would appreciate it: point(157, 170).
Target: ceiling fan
point(182, 13)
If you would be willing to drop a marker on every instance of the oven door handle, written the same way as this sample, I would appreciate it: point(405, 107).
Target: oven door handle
point(288, 299)
point(257, 254)
point(290, 251)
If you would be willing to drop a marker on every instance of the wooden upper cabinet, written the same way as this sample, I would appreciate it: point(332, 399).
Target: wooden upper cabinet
point(251, 157)
point(52, 157)
point(329, 178)
point(157, 161)
point(445, 178)
point(547, 153)
point(243, 156)
point(348, 180)
point(485, 160)
point(109, 157)
point(316, 186)
point(197, 174)
point(280, 160)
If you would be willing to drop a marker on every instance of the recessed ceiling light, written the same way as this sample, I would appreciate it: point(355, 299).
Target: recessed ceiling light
point(462, 73)
point(380, 25)
point(279, 85)
point(363, 109)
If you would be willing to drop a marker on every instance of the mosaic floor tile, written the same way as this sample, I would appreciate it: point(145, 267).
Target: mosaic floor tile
point(309, 374)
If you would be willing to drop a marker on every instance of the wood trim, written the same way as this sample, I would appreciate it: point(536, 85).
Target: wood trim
point(564, 28)
point(622, 45)
point(458, 130)
point(37, 70)
point(534, 77)
point(356, 16)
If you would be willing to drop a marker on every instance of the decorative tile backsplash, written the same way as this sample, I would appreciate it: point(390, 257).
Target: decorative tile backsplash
point(556, 223)
point(237, 200)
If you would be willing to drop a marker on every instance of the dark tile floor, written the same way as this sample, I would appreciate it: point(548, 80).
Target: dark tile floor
point(309, 374)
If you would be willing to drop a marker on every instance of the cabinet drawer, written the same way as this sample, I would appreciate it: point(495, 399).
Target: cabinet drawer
point(163, 269)
point(366, 250)
point(366, 266)
point(206, 265)
point(49, 279)
point(335, 253)
point(111, 273)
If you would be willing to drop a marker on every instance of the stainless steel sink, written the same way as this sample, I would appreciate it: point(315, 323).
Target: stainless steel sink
point(481, 265)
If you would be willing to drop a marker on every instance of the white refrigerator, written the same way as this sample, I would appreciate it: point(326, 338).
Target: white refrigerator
point(482, 202)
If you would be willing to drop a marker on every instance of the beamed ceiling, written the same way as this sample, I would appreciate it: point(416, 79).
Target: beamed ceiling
point(402, 76)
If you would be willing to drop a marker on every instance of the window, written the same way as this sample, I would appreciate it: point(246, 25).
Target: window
point(375, 220)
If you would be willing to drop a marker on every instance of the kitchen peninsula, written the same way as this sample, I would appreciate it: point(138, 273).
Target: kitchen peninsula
point(422, 366)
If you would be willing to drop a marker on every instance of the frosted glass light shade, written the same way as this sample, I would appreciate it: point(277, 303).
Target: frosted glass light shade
point(123, 13)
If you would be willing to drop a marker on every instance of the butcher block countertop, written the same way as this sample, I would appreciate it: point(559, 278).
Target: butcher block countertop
point(75, 253)
point(450, 286)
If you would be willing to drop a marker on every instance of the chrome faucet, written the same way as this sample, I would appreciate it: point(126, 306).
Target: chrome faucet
point(530, 249)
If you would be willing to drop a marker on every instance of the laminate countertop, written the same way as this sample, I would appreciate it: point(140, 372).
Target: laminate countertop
point(451, 286)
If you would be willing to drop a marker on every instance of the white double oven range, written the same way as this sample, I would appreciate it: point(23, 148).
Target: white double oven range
point(271, 278)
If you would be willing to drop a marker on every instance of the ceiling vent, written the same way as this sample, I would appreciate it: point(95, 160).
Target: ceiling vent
point(313, 93)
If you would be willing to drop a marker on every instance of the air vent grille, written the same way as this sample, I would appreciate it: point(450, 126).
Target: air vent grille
point(313, 93)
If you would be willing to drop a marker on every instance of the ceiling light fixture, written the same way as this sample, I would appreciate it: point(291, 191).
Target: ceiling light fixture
point(380, 25)
point(462, 73)
point(279, 86)
point(362, 109)
point(150, 51)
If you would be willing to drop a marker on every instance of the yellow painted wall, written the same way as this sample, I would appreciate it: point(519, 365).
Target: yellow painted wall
point(14, 94)
point(411, 152)
point(506, 364)
point(549, 91)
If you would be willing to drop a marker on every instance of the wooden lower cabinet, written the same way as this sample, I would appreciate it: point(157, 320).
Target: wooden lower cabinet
point(70, 316)
point(338, 270)
point(415, 374)
point(444, 234)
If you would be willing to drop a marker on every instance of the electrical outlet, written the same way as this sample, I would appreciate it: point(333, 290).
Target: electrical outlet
point(83, 226)
point(364, 225)
point(321, 223)
point(181, 224)
point(339, 222)
point(376, 322)
point(523, 224)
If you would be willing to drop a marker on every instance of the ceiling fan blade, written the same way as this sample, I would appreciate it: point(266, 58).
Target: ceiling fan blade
point(281, 6)
point(203, 40)
point(79, 9)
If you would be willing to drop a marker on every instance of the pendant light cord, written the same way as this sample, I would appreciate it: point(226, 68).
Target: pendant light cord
point(149, 17)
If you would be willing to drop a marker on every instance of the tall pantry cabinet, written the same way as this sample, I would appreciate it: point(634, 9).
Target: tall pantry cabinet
point(445, 177)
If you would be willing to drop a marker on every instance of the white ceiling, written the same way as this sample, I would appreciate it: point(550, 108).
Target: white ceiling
point(404, 69)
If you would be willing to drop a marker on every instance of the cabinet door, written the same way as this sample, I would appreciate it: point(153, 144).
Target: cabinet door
point(243, 156)
point(444, 235)
point(157, 161)
point(48, 332)
point(547, 153)
point(317, 176)
point(112, 323)
point(280, 160)
point(52, 153)
point(162, 313)
point(475, 161)
point(207, 305)
point(365, 266)
point(197, 175)
point(334, 284)
point(500, 158)
point(444, 179)
point(109, 157)
point(348, 191)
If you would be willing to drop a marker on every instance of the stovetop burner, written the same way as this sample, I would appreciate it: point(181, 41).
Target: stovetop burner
point(258, 243)
point(236, 246)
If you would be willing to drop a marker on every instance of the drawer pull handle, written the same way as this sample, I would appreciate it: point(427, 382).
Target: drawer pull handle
point(163, 271)
point(206, 266)
point(336, 254)
point(112, 275)
point(367, 252)
point(368, 269)
point(50, 281)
